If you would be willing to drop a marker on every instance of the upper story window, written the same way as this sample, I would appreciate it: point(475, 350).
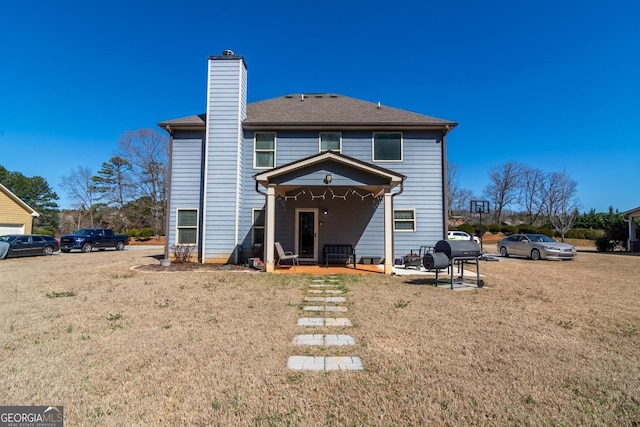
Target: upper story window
point(264, 150)
point(387, 147)
point(331, 141)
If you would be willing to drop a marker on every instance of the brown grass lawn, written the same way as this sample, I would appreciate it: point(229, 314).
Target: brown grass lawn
point(544, 343)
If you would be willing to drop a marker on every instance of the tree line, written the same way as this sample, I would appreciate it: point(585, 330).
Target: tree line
point(537, 196)
point(128, 192)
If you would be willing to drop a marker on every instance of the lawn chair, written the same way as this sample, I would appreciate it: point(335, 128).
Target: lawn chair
point(282, 255)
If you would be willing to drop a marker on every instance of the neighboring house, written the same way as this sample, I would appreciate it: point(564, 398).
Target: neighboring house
point(16, 217)
point(304, 170)
point(633, 244)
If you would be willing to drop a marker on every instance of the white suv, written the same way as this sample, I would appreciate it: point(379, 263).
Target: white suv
point(461, 235)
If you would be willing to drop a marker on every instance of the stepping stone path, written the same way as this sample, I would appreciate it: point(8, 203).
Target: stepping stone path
point(325, 291)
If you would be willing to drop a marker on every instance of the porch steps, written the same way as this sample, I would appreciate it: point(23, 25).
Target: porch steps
point(324, 363)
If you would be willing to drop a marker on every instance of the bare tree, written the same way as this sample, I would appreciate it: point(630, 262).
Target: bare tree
point(80, 188)
point(458, 198)
point(532, 183)
point(147, 151)
point(502, 190)
point(560, 201)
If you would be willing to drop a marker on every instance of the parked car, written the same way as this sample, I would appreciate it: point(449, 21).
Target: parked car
point(88, 239)
point(461, 235)
point(27, 245)
point(535, 246)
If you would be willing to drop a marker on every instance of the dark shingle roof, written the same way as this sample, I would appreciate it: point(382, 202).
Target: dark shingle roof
point(323, 110)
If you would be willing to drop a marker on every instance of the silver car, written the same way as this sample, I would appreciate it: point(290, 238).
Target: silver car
point(535, 246)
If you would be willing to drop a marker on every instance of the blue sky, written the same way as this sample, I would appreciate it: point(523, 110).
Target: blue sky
point(551, 84)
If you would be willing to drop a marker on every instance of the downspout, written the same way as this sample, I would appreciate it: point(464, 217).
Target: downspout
point(260, 192)
point(445, 184)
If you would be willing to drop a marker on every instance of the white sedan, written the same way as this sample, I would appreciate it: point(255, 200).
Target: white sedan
point(461, 235)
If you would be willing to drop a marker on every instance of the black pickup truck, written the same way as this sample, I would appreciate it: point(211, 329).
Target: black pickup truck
point(87, 239)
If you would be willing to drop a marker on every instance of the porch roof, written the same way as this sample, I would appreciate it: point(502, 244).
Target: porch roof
point(389, 177)
point(632, 213)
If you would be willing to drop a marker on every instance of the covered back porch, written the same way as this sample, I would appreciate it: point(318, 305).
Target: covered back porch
point(325, 200)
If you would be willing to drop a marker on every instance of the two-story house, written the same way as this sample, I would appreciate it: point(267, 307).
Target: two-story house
point(304, 170)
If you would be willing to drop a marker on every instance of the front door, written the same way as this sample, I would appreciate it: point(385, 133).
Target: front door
point(307, 234)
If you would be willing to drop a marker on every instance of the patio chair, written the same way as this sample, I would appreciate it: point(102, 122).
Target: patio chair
point(282, 255)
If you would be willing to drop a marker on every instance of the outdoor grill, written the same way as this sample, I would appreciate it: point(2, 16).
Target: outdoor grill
point(435, 261)
point(458, 248)
point(452, 253)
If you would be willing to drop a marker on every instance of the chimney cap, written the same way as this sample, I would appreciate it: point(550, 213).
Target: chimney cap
point(228, 52)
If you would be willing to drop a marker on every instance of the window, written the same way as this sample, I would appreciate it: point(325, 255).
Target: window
point(331, 141)
point(187, 230)
point(265, 150)
point(387, 147)
point(404, 220)
point(258, 226)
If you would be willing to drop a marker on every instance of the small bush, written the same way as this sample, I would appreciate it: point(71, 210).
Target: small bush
point(509, 229)
point(146, 233)
point(527, 228)
point(467, 228)
point(183, 253)
point(495, 228)
point(133, 233)
point(546, 231)
point(43, 231)
point(584, 233)
point(603, 244)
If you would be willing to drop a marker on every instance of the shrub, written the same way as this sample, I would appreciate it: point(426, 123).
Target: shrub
point(133, 233)
point(546, 231)
point(183, 253)
point(467, 228)
point(527, 228)
point(509, 229)
point(146, 233)
point(603, 244)
point(495, 228)
point(43, 231)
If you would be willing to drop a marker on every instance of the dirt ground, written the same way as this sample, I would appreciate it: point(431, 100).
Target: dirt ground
point(543, 343)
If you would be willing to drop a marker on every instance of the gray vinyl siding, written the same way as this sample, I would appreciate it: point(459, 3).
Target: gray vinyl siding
point(226, 110)
point(358, 222)
point(186, 178)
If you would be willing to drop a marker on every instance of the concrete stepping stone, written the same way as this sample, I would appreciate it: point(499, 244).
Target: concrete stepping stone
point(324, 308)
point(322, 363)
point(325, 299)
point(324, 321)
point(326, 340)
point(324, 291)
point(322, 286)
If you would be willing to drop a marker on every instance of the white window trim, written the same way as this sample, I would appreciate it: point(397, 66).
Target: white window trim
point(373, 148)
point(275, 145)
point(413, 220)
point(178, 227)
point(255, 227)
point(320, 150)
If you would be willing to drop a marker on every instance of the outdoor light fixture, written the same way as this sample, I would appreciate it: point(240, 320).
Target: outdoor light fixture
point(325, 212)
point(328, 178)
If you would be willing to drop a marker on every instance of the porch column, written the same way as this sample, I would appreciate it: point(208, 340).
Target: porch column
point(632, 235)
point(388, 232)
point(270, 238)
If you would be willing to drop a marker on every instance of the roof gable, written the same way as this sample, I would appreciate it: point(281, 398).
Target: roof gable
point(18, 201)
point(393, 178)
